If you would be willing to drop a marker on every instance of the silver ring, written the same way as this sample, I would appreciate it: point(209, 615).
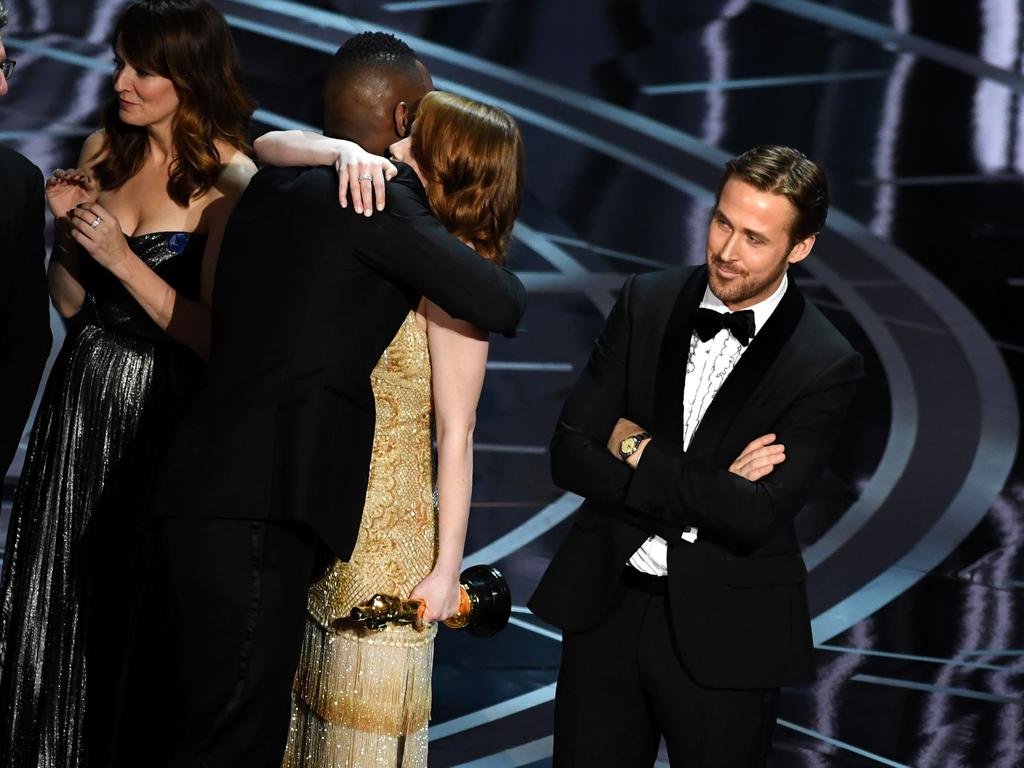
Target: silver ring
point(365, 177)
point(96, 222)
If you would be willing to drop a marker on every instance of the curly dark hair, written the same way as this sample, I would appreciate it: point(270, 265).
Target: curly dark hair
point(369, 51)
point(188, 42)
point(380, 47)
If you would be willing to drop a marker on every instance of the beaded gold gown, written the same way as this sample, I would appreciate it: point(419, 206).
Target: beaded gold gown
point(361, 697)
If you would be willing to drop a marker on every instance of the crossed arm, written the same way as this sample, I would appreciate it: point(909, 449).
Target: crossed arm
point(663, 488)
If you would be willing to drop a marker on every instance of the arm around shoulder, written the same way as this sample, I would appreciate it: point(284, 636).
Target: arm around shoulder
point(408, 244)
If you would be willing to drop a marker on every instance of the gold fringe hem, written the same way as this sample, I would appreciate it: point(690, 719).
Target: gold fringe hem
point(362, 698)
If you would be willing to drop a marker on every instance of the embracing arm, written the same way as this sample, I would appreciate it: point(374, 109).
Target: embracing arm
point(352, 162)
point(410, 246)
point(296, 148)
point(185, 319)
point(680, 490)
point(458, 358)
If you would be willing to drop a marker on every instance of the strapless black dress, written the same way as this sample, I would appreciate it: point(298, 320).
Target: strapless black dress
point(117, 389)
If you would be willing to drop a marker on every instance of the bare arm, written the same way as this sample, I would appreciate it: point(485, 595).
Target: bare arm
point(360, 173)
point(296, 148)
point(183, 318)
point(458, 358)
point(65, 190)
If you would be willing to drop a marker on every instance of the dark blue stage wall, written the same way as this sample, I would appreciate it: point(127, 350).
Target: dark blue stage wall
point(913, 540)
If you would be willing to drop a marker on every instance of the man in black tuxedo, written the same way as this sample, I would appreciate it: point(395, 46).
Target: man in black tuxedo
point(680, 586)
point(24, 299)
point(268, 473)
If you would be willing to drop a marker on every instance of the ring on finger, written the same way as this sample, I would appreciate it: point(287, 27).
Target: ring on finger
point(96, 222)
point(365, 177)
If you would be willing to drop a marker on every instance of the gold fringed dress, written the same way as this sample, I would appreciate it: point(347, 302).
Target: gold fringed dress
point(362, 698)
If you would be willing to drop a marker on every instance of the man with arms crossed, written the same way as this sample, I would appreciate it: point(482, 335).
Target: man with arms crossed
point(680, 587)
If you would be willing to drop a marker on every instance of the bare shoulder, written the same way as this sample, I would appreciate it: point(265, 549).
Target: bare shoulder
point(236, 172)
point(93, 149)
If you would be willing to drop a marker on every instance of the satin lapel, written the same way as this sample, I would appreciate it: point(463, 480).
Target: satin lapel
point(750, 369)
point(675, 347)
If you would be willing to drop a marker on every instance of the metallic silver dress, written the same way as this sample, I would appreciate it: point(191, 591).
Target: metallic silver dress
point(112, 399)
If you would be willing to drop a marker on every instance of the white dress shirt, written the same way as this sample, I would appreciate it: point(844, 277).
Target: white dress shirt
point(708, 364)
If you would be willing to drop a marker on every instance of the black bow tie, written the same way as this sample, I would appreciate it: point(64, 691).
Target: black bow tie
point(707, 323)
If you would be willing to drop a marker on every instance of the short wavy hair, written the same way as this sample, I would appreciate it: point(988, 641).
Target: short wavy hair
point(788, 172)
point(188, 42)
point(471, 155)
point(3, 17)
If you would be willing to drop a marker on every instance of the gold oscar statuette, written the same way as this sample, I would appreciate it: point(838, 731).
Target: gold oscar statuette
point(485, 605)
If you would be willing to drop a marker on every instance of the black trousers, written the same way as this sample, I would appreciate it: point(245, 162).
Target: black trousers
point(622, 686)
point(210, 675)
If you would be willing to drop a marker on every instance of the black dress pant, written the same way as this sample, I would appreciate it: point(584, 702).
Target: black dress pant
point(622, 686)
point(212, 668)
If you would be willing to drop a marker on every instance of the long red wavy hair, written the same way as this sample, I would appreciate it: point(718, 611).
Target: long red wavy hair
point(471, 155)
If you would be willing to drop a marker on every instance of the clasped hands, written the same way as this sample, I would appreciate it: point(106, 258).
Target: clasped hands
point(757, 460)
point(72, 194)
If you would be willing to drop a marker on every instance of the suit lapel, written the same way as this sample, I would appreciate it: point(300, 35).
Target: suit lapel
point(675, 347)
point(749, 371)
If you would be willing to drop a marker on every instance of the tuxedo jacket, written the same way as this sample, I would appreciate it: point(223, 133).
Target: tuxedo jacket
point(307, 297)
point(24, 298)
point(737, 596)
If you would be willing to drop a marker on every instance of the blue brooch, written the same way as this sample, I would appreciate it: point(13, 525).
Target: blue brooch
point(176, 243)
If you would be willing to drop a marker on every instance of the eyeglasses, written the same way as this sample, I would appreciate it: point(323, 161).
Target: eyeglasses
point(7, 67)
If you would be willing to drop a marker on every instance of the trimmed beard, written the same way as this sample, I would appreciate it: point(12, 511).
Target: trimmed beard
point(741, 289)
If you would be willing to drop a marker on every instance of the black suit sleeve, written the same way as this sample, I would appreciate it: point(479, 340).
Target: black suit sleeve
point(25, 322)
point(744, 515)
point(409, 245)
point(580, 460)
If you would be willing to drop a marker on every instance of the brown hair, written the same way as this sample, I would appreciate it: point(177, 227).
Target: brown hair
point(472, 157)
point(784, 171)
point(188, 42)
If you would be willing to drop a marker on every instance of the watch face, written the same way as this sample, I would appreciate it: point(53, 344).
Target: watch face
point(628, 445)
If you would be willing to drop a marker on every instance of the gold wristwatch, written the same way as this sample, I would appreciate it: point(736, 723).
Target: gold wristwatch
point(629, 446)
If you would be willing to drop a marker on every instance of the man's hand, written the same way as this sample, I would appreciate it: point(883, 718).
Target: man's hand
point(624, 428)
point(759, 458)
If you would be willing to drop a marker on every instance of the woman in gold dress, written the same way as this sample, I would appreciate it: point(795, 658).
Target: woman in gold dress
point(362, 697)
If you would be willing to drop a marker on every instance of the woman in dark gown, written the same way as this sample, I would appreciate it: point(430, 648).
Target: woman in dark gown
point(139, 224)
